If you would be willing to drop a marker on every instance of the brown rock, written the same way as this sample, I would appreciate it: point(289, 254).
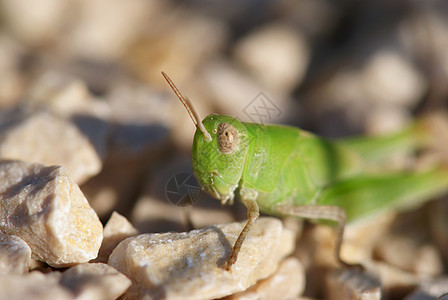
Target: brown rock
point(43, 206)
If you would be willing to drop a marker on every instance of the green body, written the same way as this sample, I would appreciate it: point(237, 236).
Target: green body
point(286, 166)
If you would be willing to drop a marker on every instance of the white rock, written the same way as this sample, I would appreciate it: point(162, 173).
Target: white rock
point(50, 140)
point(190, 265)
point(288, 282)
point(45, 208)
point(276, 55)
point(95, 281)
point(33, 286)
point(431, 289)
point(116, 230)
point(15, 255)
point(36, 22)
point(246, 99)
point(103, 30)
point(351, 284)
point(391, 78)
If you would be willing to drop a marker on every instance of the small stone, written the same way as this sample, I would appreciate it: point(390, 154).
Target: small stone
point(43, 206)
point(39, 22)
point(45, 138)
point(179, 264)
point(116, 230)
point(244, 99)
point(103, 30)
point(405, 254)
point(288, 282)
point(389, 77)
point(95, 281)
point(15, 255)
point(394, 281)
point(351, 284)
point(276, 55)
point(34, 285)
point(431, 289)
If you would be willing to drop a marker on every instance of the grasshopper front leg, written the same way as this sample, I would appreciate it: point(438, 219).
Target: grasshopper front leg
point(252, 215)
point(323, 212)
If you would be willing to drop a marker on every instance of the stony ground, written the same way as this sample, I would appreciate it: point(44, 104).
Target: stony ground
point(95, 150)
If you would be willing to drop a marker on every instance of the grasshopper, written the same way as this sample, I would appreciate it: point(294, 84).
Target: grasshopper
point(286, 171)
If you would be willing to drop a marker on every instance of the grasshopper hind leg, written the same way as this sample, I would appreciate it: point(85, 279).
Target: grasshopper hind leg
point(322, 212)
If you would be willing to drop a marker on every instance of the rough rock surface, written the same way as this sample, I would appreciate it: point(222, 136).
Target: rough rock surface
point(95, 281)
point(50, 140)
point(15, 255)
point(190, 265)
point(45, 208)
point(34, 285)
point(116, 230)
point(288, 282)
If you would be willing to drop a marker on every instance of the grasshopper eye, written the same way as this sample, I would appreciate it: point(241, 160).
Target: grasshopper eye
point(227, 138)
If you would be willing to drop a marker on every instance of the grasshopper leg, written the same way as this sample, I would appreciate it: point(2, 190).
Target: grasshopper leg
point(323, 212)
point(252, 215)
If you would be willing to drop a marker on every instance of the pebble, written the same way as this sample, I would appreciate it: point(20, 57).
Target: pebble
point(104, 30)
point(408, 254)
point(45, 138)
point(431, 290)
point(174, 265)
point(389, 77)
point(276, 55)
point(288, 282)
point(117, 229)
point(12, 83)
point(15, 255)
point(351, 284)
point(39, 23)
point(95, 281)
point(33, 286)
point(43, 206)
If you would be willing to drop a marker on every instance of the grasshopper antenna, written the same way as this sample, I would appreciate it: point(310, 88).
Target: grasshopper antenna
point(190, 109)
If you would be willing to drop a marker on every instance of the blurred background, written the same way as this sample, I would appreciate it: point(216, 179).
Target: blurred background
point(336, 68)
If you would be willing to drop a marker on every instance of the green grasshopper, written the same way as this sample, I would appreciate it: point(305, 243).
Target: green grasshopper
point(286, 171)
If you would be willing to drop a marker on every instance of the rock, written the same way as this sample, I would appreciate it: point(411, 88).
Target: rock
point(191, 263)
point(95, 281)
point(431, 289)
point(104, 30)
point(288, 282)
point(196, 36)
point(395, 283)
point(407, 254)
point(246, 100)
point(33, 286)
point(39, 22)
point(43, 206)
point(12, 83)
point(389, 77)
point(15, 255)
point(351, 284)
point(117, 229)
point(276, 55)
point(50, 140)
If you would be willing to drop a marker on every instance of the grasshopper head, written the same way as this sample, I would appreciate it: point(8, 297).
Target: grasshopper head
point(219, 150)
point(218, 163)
